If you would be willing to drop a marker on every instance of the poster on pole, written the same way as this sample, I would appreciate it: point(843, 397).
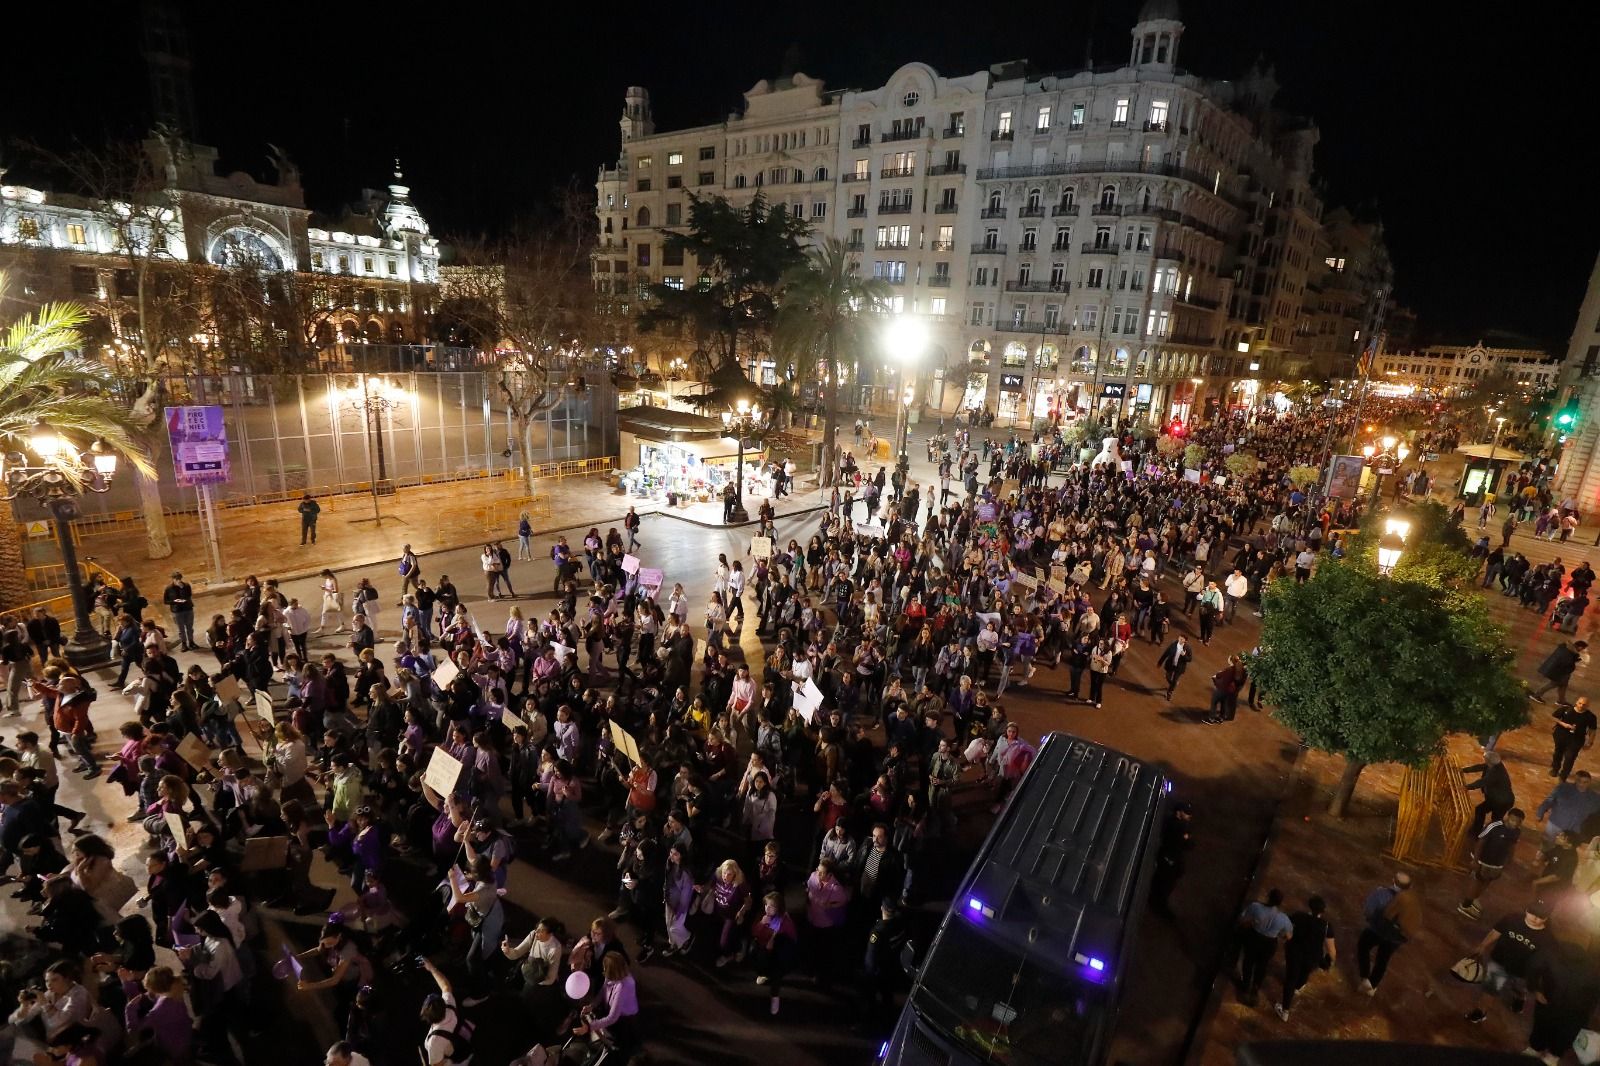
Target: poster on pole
point(1344, 477)
point(199, 442)
point(443, 773)
point(623, 742)
point(630, 564)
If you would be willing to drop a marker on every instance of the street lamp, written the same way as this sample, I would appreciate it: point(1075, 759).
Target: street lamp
point(373, 401)
point(906, 338)
point(1383, 457)
point(1392, 544)
point(60, 476)
point(746, 420)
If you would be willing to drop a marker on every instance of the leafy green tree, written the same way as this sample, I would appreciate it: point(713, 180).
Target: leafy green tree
point(1242, 464)
point(1169, 446)
point(1303, 477)
point(742, 254)
point(1194, 456)
point(826, 323)
point(1380, 668)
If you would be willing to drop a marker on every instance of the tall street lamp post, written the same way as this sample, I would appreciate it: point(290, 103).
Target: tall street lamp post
point(746, 420)
point(906, 338)
point(60, 475)
point(1383, 461)
point(373, 400)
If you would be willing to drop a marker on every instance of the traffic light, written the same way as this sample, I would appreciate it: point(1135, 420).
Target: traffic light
point(1567, 419)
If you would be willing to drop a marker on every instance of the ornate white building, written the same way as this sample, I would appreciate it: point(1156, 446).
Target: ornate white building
point(1580, 384)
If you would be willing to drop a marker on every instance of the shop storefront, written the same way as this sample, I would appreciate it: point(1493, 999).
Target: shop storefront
point(678, 457)
point(1013, 401)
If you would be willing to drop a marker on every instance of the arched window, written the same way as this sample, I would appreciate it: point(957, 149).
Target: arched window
point(820, 175)
point(1035, 198)
point(242, 246)
point(1108, 196)
point(996, 198)
point(979, 352)
point(373, 333)
point(1067, 195)
point(349, 331)
point(644, 216)
point(738, 181)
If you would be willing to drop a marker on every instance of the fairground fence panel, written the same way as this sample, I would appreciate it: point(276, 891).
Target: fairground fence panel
point(311, 432)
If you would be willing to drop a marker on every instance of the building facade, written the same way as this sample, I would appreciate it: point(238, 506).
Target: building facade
point(1450, 367)
point(369, 274)
point(1138, 239)
point(1579, 476)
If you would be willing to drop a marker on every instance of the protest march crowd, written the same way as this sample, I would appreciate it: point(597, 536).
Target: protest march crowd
point(776, 806)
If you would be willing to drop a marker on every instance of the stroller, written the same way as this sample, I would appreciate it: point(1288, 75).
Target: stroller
point(595, 1049)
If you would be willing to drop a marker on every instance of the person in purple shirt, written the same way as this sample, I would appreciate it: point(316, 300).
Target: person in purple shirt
point(158, 1016)
point(360, 839)
point(617, 1008)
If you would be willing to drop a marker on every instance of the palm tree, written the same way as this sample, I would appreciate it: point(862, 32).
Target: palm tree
point(42, 376)
point(824, 323)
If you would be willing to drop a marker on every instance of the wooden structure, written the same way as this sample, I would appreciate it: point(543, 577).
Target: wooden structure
point(1435, 815)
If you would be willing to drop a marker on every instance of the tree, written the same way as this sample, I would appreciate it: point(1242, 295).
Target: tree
point(1303, 477)
point(1242, 464)
point(1168, 446)
point(43, 377)
point(743, 254)
point(1194, 456)
point(125, 185)
point(1381, 668)
point(828, 315)
point(529, 299)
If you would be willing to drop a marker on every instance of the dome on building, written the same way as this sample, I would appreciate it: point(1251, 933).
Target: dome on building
point(400, 215)
point(1154, 10)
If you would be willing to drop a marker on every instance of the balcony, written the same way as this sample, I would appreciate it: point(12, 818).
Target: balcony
point(941, 246)
point(1200, 301)
point(1036, 286)
point(993, 212)
point(988, 249)
point(1074, 127)
point(856, 212)
point(1198, 339)
point(1152, 126)
point(1024, 170)
point(893, 279)
point(895, 209)
point(1014, 325)
point(1030, 212)
point(891, 246)
point(1178, 257)
point(1027, 245)
point(953, 131)
point(1140, 210)
point(897, 172)
point(861, 142)
point(941, 169)
point(1099, 249)
point(1064, 211)
point(1061, 246)
point(946, 209)
point(855, 246)
point(1105, 210)
point(1119, 124)
point(853, 176)
point(1002, 135)
point(939, 281)
point(912, 134)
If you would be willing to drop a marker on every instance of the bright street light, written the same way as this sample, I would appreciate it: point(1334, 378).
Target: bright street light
point(1392, 544)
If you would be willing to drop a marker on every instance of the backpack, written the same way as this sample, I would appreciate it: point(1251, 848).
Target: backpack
point(460, 1039)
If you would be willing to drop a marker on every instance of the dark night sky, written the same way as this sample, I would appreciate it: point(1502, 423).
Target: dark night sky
point(1443, 126)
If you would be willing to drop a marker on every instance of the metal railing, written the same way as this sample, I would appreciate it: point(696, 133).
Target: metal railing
point(992, 212)
point(1030, 212)
point(1106, 209)
point(1099, 249)
point(988, 249)
point(1064, 211)
point(894, 209)
point(939, 281)
point(940, 169)
point(1002, 135)
point(904, 135)
point(946, 209)
point(898, 172)
point(851, 175)
point(1036, 286)
point(60, 604)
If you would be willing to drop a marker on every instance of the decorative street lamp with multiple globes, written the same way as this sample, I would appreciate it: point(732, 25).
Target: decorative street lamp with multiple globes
point(1392, 544)
point(906, 339)
point(746, 420)
point(56, 476)
point(1384, 461)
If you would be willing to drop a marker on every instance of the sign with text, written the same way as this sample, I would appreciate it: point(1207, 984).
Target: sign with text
point(761, 547)
point(1113, 390)
point(650, 577)
point(199, 445)
point(443, 773)
point(630, 564)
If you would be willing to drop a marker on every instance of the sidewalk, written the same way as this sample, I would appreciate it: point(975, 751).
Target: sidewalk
point(266, 540)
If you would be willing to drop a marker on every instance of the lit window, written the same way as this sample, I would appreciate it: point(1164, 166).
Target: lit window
point(344, 264)
point(643, 163)
point(673, 282)
point(936, 305)
point(1004, 125)
point(394, 268)
point(674, 158)
point(316, 260)
point(1119, 114)
point(76, 234)
point(1158, 113)
point(1043, 122)
point(367, 265)
point(1077, 117)
point(28, 228)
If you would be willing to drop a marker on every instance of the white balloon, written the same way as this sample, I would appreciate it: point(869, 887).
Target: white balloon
point(577, 984)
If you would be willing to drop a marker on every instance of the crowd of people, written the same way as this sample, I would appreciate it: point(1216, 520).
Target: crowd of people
point(781, 816)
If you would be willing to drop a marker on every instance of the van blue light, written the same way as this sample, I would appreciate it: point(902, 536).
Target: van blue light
point(979, 908)
point(883, 1050)
point(975, 903)
point(1097, 965)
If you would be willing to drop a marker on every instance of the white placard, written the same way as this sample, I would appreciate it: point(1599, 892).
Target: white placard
point(868, 529)
point(761, 547)
point(444, 771)
point(561, 650)
point(511, 721)
point(445, 673)
point(630, 564)
point(1192, 476)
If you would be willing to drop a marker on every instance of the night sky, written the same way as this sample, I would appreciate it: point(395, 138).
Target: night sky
point(1442, 126)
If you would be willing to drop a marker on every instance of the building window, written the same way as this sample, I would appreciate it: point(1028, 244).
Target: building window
point(1030, 239)
point(1108, 196)
point(708, 152)
point(706, 177)
point(642, 255)
point(738, 181)
point(27, 228)
point(316, 260)
point(1119, 113)
point(643, 163)
point(671, 255)
point(910, 99)
point(85, 282)
point(980, 278)
point(394, 268)
point(76, 234)
point(644, 185)
point(674, 181)
point(1077, 118)
point(1035, 199)
point(366, 265)
point(1089, 315)
point(958, 123)
point(1096, 278)
point(936, 305)
point(991, 238)
point(1058, 274)
point(1004, 124)
point(819, 210)
point(674, 214)
point(673, 282)
point(344, 264)
point(1158, 114)
point(820, 174)
point(1042, 123)
point(864, 133)
point(860, 170)
point(675, 159)
point(977, 315)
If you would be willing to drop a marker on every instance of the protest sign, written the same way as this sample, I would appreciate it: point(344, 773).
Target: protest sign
point(264, 853)
point(193, 750)
point(175, 826)
point(511, 721)
point(264, 707)
point(445, 673)
point(444, 771)
point(623, 741)
point(227, 688)
point(761, 547)
point(630, 564)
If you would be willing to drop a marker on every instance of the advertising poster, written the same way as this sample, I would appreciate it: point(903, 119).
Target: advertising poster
point(1344, 477)
point(199, 445)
